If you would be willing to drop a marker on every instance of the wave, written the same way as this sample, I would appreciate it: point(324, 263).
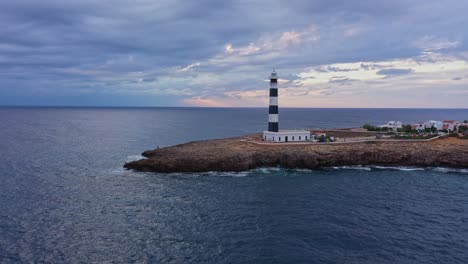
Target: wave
point(357, 167)
point(275, 170)
point(449, 170)
point(262, 170)
point(135, 157)
point(228, 173)
point(267, 170)
point(400, 168)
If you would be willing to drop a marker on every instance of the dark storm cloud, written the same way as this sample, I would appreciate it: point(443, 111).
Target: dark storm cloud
point(54, 47)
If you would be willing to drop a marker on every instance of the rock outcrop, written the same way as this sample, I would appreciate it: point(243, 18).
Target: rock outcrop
point(239, 154)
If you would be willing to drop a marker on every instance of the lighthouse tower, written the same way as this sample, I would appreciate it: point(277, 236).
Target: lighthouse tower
point(273, 134)
point(273, 109)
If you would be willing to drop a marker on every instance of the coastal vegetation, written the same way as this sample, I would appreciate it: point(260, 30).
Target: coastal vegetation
point(405, 129)
point(375, 128)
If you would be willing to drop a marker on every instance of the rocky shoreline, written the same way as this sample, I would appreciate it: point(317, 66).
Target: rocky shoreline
point(240, 154)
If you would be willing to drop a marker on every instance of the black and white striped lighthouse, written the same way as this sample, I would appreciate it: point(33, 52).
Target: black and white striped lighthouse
point(273, 134)
point(273, 109)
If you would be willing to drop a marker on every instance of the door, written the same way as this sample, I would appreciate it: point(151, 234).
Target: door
point(286, 138)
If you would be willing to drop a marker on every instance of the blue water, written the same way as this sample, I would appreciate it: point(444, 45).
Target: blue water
point(64, 197)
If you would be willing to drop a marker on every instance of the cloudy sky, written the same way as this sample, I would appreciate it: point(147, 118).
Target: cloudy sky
point(328, 53)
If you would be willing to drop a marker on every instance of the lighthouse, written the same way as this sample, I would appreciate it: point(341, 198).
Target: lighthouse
point(273, 134)
point(273, 109)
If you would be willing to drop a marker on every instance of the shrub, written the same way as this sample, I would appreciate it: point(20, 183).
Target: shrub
point(371, 128)
point(407, 128)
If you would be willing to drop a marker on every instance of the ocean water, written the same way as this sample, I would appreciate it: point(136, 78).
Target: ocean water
point(64, 197)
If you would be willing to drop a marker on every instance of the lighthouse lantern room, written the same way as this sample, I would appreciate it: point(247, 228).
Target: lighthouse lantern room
point(273, 134)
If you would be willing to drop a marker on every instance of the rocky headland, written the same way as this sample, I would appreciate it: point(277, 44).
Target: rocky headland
point(245, 153)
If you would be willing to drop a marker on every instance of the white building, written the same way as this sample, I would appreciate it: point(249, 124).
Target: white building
point(419, 126)
point(450, 125)
point(393, 125)
point(437, 124)
point(286, 136)
point(273, 134)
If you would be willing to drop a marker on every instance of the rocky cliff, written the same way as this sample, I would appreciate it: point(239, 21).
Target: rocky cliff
point(239, 154)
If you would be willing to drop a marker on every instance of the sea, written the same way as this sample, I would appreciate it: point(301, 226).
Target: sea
point(65, 197)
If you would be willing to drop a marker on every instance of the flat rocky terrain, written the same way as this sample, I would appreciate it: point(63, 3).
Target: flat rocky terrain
point(242, 153)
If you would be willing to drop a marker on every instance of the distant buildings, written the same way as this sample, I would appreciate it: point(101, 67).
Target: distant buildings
point(437, 124)
point(445, 125)
point(450, 125)
point(419, 126)
point(392, 125)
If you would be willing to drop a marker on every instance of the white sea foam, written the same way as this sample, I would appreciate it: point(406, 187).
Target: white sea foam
point(400, 168)
point(262, 170)
point(270, 170)
point(135, 157)
point(234, 174)
point(266, 170)
point(449, 170)
point(303, 170)
point(226, 173)
point(118, 171)
point(357, 167)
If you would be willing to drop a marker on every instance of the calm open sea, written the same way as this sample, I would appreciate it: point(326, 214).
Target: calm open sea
point(64, 197)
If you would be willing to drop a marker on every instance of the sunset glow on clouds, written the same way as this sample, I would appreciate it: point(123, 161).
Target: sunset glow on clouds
point(327, 53)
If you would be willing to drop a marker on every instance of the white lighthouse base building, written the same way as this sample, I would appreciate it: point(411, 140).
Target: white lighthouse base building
point(286, 136)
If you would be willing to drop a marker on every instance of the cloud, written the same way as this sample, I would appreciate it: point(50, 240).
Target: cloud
point(224, 51)
point(290, 38)
point(353, 32)
point(188, 67)
point(242, 51)
point(203, 102)
point(341, 80)
point(394, 71)
point(432, 43)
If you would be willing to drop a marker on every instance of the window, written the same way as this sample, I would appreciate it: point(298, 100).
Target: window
point(279, 139)
point(299, 137)
point(306, 137)
point(293, 138)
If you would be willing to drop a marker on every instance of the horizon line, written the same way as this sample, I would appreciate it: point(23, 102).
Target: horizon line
point(217, 107)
